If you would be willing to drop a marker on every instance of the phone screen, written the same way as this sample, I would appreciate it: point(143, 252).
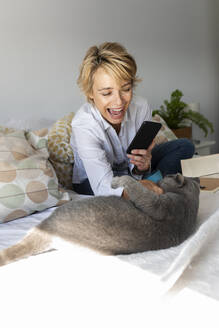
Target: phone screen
point(144, 136)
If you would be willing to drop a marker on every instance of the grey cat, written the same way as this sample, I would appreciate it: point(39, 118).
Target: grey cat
point(113, 225)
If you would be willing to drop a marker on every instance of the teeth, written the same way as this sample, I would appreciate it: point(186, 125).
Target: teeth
point(115, 109)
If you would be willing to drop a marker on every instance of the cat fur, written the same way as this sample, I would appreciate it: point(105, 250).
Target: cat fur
point(113, 225)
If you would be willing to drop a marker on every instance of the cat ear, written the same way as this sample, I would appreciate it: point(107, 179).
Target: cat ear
point(180, 179)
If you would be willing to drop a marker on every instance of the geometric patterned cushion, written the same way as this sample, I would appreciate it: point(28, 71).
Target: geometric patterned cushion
point(60, 151)
point(28, 182)
point(165, 133)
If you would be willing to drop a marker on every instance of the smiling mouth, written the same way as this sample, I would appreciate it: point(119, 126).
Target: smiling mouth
point(115, 111)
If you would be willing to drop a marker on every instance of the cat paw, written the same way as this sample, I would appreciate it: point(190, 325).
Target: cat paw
point(121, 181)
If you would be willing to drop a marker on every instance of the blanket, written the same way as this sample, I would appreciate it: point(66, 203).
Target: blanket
point(125, 286)
point(194, 263)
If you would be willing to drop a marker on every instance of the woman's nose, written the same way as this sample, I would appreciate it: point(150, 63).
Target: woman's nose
point(118, 98)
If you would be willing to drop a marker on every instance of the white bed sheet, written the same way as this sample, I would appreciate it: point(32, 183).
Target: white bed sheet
point(74, 287)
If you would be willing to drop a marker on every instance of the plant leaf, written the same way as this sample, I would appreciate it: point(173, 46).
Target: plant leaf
point(174, 114)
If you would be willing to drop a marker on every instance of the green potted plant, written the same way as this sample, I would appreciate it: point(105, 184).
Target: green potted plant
point(176, 112)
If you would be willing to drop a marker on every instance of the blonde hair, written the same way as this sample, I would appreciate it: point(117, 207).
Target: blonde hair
point(112, 57)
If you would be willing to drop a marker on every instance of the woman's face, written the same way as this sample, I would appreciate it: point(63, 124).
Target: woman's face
point(110, 97)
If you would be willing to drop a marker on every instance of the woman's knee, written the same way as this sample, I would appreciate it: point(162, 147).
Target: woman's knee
point(187, 147)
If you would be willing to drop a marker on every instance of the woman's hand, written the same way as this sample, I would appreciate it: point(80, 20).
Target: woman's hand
point(141, 158)
point(152, 186)
point(125, 195)
point(147, 184)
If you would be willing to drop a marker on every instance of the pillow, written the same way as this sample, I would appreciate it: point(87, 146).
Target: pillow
point(28, 182)
point(61, 154)
point(165, 133)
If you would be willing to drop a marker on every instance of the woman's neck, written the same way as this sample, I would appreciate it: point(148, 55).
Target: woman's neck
point(117, 127)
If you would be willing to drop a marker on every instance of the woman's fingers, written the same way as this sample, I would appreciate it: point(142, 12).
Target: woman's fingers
point(144, 152)
point(141, 152)
point(140, 158)
point(151, 146)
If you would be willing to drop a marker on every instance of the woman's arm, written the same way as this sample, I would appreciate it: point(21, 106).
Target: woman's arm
point(87, 144)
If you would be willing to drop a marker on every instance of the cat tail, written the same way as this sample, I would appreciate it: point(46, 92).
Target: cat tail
point(35, 242)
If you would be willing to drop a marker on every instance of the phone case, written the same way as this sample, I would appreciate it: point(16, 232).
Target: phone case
point(144, 136)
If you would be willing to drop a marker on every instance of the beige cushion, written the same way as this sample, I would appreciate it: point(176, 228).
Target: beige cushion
point(165, 133)
point(28, 182)
point(61, 154)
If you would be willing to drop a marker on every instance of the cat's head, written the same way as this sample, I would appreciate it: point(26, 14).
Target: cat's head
point(180, 183)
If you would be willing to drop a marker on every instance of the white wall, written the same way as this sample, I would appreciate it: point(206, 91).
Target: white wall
point(42, 43)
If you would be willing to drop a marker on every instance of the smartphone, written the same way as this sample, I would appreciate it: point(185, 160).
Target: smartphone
point(144, 136)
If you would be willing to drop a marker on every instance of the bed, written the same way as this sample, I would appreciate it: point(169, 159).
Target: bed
point(75, 287)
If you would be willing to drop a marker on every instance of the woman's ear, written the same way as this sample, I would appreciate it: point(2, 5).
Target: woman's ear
point(90, 95)
point(90, 99)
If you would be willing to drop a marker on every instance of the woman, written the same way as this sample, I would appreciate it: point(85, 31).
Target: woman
point(103, 127)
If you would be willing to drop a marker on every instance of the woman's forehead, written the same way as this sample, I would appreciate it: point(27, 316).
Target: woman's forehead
point(103, 79)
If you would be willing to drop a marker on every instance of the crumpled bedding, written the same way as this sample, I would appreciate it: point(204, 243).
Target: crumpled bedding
point(132, 281)
point(194, 263)
point(195, 260)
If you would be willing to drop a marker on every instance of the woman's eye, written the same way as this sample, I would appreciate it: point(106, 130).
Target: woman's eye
point(106, 94)
point(126, 90)
point(123, 90)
